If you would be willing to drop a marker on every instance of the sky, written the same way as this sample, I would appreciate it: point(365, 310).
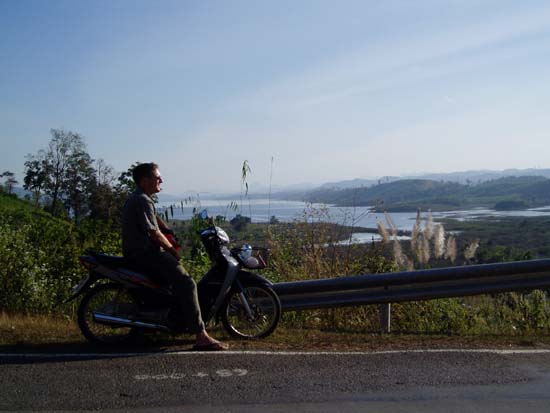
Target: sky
point(304, 91)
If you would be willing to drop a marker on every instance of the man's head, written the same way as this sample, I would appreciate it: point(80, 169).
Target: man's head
point(147, 177)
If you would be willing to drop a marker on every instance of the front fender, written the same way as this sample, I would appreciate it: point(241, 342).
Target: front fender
point(244, 279)
point(248, 278)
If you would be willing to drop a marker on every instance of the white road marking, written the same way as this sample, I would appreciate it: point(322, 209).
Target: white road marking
point(224, 373)
point(179, 376)
point(160, 377)
point(269, 353)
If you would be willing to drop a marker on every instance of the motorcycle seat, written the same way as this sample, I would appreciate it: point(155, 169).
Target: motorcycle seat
point(111, 261)
point(125, 268)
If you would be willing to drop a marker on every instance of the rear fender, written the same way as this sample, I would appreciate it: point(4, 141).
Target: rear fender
point(83, 285)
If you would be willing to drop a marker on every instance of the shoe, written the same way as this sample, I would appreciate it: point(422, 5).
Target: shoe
point(215, 346)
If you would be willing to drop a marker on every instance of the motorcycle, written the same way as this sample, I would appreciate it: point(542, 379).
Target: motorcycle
point(119, 302)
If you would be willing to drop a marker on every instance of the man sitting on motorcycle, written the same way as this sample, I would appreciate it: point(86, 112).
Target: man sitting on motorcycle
point(145, 247)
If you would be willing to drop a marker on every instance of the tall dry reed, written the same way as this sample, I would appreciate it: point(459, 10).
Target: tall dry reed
point(471, 249)
point(427, 242)
point(383, 232)
point(450, 249)
point(439, 241)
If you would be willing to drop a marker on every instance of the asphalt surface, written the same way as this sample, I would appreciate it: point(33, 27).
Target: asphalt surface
point(301, 382)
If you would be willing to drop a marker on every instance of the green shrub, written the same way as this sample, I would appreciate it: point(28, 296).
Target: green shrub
point(39, 256)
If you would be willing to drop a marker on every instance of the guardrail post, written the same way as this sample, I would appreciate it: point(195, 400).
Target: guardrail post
point(385, 317)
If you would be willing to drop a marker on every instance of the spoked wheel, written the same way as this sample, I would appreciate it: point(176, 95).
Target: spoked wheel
point(252, 313)
point(100, 303)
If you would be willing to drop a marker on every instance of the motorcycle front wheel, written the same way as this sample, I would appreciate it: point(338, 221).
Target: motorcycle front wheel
point(251, 313)
point(110, 300)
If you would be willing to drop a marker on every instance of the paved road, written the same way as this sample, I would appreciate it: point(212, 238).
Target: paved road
point(273, 382)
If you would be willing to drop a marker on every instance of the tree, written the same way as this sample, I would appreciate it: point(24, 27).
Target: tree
point(62, 172)
point(105, 199)
point(78, 183)
point(10, 181)
point(125, 180)
point(108, 194)
point(35, 175)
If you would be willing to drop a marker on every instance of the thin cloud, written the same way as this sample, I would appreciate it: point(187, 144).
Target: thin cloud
point(408, 59)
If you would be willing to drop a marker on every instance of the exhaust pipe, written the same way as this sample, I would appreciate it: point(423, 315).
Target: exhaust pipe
point(125, 322)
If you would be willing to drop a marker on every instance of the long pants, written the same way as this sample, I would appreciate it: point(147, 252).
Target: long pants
point(166, 270)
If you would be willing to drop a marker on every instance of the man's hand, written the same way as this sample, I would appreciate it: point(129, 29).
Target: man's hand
point(159, 239)
point(175, 253)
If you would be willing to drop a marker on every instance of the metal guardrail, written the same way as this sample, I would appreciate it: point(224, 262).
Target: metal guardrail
point(414, 285)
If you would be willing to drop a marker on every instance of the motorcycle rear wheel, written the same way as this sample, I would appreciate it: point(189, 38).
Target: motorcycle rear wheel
point(111, 300)
point(265, 312)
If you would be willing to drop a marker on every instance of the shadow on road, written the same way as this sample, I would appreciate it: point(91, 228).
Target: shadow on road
point(81, 350)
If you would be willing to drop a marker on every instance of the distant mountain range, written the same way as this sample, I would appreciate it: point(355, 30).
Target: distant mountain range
point(467, 177)
point(467, 190)
point(507, 189)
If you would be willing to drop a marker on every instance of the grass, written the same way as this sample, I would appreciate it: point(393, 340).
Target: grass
point(40, 333)
point(36, 329)
point(25, 333)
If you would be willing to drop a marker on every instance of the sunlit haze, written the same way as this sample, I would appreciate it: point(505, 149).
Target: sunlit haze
point(330, 90)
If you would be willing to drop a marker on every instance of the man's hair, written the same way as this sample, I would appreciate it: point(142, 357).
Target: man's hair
point(143, 170)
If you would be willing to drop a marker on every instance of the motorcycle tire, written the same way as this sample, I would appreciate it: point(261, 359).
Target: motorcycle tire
point(264, 316)
point(111, 300)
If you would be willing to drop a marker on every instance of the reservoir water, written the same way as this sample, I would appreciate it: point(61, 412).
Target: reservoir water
point(261, 210)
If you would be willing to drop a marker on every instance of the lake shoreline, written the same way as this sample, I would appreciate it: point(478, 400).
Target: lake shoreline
point(265, 211)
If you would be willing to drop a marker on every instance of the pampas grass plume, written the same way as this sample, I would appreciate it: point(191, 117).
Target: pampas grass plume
point(450, 252)
point(471, 249)
point(383, 232)
point(439, 240)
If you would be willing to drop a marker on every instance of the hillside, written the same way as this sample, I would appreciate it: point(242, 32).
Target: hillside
point(410, 194)
point(39, 256)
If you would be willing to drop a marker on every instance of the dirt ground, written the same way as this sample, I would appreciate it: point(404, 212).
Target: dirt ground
point(47, 335)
